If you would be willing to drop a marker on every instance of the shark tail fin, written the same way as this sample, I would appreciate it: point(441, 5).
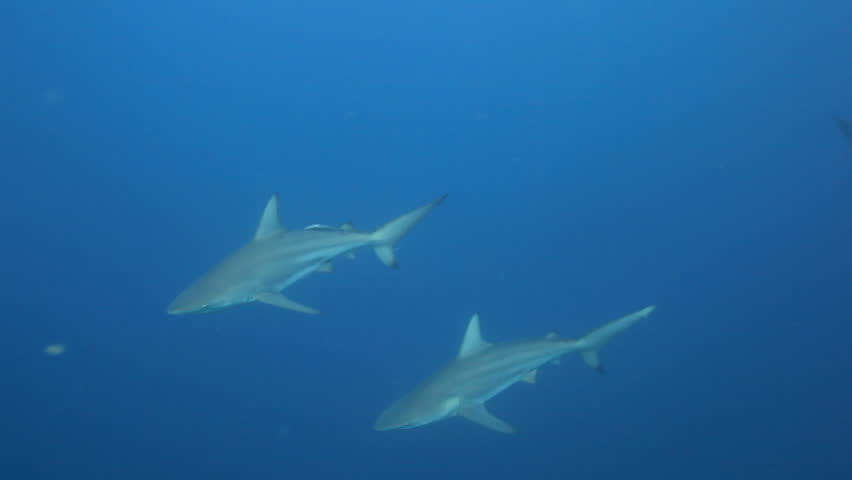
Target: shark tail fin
point(386, 237)
point(592, 342)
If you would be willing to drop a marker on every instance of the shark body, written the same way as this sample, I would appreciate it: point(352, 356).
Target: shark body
point(482, 370)
point(276, 258)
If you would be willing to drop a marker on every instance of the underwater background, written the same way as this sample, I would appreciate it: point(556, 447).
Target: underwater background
point(599, 157)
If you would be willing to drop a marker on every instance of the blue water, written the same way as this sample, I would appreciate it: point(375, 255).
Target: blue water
point(599, 157)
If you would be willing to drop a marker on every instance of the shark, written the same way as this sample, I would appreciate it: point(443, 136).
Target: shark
point(276, 258)
point(482, 370)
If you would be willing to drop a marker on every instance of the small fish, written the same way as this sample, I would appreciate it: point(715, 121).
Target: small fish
point(54, 350)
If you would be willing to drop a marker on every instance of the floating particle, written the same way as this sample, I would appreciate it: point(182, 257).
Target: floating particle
point(54, 349)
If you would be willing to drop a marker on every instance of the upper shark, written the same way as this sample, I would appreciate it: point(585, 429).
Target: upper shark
point(276, 258)
point(483, 370)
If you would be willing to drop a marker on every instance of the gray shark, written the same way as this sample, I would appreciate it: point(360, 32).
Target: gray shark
point(483, 370)
point(277, 258)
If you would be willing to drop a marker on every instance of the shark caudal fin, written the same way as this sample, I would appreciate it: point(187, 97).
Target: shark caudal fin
point(594, 340)
point(386, 237)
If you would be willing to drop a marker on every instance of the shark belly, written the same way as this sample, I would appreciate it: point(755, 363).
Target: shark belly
point(495, 374)
point(490, 387)
point(293, 268)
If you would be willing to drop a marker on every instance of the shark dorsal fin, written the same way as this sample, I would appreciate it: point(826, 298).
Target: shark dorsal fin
point(269, 224)
point(473, 341)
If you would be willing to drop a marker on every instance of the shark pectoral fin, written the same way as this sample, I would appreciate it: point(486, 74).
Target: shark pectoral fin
point(530, 376)
point(482, 416)
point(326, 267)
point(278, 300)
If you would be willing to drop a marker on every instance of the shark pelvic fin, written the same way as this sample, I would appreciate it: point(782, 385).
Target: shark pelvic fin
point(472, 342)
point(386, 237)
point(269, 224)
point(479, 414)
point(530, 376)
point(278, 300)
point(326, 267)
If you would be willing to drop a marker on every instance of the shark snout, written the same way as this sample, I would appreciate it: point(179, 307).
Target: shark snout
point(175, 308)
point(184, 303)
point(386, 421)
point(174, 311)
point(380, 424)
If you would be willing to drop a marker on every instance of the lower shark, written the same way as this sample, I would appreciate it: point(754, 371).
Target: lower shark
point(482, 370)
point(277, 258)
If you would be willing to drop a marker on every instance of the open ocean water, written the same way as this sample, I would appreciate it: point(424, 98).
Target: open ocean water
point(599, 157)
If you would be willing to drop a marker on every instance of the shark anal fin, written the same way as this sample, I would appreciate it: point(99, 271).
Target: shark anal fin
point(530, 376)
point(479, 414)
point(278, 300)
point(326, 267)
